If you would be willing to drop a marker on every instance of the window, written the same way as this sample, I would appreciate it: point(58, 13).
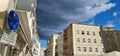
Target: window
point(78, 48)
point(100, 34)
point(56, 53)
point(88, 33)
point(96, 49)
point(84, 49)
point(84, 40)
point(90, 49)
point(95, 41)
point(77, 32)
point(103, 49)
point(56, 40)
point(83, 33)
point(89, 40)
point(118, 39)
point(56, 47)
point(117, 34)
point(101, 41)
point(78, 39)
point(93, 33)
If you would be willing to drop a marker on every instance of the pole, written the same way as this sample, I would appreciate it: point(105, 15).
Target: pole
point(5, 50)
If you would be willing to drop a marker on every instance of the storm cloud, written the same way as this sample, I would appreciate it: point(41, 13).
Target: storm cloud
point(53, 16)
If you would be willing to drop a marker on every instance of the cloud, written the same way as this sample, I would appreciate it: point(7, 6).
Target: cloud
point(92, 22)
point(89, 21)
point(53, 16)
point(110, 24)
point(115, 14)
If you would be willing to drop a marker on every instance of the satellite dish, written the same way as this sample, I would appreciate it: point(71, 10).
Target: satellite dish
point(13, 20)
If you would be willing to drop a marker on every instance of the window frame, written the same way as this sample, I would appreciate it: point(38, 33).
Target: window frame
point(95, 41)
point(77, 32)
point(96, 49)
point(89, 40)
point(90, 49)
point(94, 33)
point(78, 39)
point(83, 32)
point(83, 40)
point(88, 33)
point(84, 49)
point(78, 49)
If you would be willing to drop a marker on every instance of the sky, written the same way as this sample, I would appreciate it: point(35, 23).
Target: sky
point(53, 16)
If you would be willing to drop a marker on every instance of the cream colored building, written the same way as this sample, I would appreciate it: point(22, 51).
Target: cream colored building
point(55, 45)
point(42, 52)
point(82, 40)
point(27, 28)
point(36, 47)
point(52, 45)
point(60, 44)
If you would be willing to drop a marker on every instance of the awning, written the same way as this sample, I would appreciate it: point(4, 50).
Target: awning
point(25, 25)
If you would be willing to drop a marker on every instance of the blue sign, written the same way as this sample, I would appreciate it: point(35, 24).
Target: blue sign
point(13, 20)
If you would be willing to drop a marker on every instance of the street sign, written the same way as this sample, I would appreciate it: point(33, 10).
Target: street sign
point(13, 20)
point(9, 39)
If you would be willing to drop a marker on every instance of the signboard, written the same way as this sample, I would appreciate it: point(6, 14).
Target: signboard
point(13, 20)
point(36, 48)
point(9, 39)
point(27, 5)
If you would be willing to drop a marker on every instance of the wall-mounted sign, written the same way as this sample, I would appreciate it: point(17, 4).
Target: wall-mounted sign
point(36, 48)
point(13, 20)
point(9, 39)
